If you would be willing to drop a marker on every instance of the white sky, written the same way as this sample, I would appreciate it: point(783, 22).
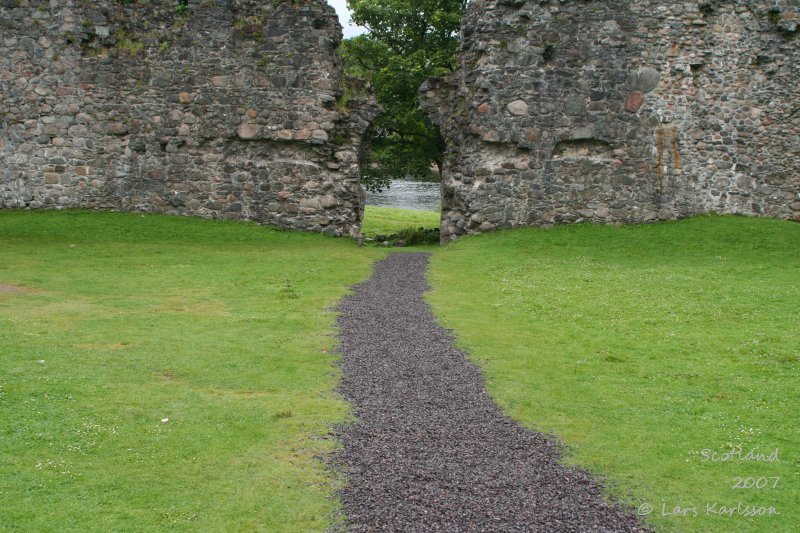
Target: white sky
point(349, 29)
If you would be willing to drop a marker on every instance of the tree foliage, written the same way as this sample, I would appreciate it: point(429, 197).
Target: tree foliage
point(408, 42)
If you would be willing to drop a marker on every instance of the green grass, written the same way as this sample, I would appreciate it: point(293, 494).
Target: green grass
point(641, 347)
point(388, 221)
point(110, 324)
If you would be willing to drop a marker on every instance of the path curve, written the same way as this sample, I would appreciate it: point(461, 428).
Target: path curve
point(429, 451)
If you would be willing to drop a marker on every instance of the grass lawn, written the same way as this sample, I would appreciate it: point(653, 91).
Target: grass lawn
point(388, 220)
point(167, 373)
point(647, 350)
point(170, 373)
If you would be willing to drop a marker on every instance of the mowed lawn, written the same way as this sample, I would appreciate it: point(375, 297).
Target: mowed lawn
point(178, 374)
point(652, 352)
point(163, 373)
point(390, 220)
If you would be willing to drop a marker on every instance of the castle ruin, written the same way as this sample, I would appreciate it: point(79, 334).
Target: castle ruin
point(230, 109)
point(562, 111)
point(620, 112)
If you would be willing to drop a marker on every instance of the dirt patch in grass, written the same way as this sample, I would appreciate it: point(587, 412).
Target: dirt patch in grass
point(108, 346)
point(207, 308)
point(6, 288)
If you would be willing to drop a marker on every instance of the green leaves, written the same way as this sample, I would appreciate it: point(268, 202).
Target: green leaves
point(408, 42)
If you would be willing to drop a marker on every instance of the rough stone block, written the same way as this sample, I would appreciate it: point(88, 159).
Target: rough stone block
point(645, 80)
point(220, 81)
point(117, 128)
point(248, 131)
point(517, 108)
point(634, 102)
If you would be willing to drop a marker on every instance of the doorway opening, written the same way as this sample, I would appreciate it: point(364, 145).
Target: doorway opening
point(408, 213)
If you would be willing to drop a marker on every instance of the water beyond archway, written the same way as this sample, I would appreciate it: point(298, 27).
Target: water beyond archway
point(405, 194)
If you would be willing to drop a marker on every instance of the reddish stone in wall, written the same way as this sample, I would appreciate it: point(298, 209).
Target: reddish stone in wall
point(634, 102)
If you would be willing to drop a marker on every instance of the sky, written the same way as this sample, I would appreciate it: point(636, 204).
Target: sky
point(344, 17)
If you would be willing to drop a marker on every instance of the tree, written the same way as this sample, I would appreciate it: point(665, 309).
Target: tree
point(408, 42)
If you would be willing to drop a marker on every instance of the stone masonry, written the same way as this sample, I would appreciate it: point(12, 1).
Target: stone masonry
point(620, 112)
point(218, 108)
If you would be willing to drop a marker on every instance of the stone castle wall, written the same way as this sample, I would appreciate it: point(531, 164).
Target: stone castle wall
point(221, 108)
point(580, 110)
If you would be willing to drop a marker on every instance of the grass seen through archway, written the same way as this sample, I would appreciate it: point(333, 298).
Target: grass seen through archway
point(410, 225)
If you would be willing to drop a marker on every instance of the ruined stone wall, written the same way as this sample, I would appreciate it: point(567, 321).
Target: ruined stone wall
point(221, 108)
point(620, 111)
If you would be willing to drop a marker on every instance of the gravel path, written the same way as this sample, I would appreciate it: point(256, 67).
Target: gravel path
point(429, 451)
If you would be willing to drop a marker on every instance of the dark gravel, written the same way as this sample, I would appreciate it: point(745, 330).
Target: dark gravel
point(429, 450)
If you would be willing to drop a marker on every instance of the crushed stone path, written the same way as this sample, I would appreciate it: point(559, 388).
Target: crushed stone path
point(429, 450)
